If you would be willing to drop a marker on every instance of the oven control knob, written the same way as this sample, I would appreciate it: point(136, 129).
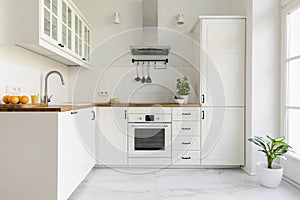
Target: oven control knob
point(157, 118)
point(140, 118)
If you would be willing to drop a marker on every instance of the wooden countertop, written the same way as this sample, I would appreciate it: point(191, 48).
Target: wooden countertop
point(145, 105)
point(63, 108)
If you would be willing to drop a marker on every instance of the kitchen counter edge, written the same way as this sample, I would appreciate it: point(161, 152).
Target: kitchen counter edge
point(69, 108)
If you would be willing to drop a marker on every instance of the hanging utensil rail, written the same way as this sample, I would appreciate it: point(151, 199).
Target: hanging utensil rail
point(163, 60)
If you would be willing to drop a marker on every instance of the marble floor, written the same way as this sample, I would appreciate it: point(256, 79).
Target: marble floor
point(178, 184)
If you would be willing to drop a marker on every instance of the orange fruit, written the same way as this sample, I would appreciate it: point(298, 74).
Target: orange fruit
point(5, 99)
point(14, 100)
point(24, 99)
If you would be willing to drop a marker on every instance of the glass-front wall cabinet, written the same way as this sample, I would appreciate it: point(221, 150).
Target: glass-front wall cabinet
point(64, 27)
point(50, 20)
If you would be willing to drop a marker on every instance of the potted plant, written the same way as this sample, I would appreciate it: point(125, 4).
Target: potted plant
point(269, 173)
point(183, 89)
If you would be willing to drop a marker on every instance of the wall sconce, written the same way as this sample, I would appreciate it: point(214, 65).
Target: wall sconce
point(179, 19)
point(116, 19)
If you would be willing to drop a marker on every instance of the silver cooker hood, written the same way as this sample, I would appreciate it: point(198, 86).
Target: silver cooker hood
point(150, 21)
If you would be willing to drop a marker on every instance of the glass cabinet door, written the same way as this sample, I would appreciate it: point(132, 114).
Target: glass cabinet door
point(50, 19)
point(78, 36)
point(66, 26)
point(87, 41)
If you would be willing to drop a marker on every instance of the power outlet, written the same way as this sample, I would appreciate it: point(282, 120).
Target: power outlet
point(10, 89)
point(103, 93)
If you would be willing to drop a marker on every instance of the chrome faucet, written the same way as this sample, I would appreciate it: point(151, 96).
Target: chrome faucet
point(47, 99)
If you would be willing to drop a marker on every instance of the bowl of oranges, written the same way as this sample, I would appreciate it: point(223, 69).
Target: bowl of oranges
point(7, 99)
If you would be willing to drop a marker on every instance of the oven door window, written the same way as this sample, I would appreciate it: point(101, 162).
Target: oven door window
point(150, 139)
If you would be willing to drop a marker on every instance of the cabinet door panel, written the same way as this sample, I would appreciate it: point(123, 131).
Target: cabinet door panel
point(186, 158)
point(186, 114)
point(112, 136)
point(222, 136)
point(185, 128)
point(223, 62)
point(49, 30)
point(74, 160)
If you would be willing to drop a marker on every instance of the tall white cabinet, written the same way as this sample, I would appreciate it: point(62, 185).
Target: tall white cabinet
point(222, 85)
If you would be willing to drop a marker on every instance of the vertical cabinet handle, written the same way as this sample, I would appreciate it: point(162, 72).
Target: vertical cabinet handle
point(125, 114)
point(203, 98)
point(94, 115)
point(203, 114)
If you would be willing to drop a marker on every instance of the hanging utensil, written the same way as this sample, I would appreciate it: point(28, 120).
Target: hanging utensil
point(148, 80)
point(137, 79)
point(143, 79)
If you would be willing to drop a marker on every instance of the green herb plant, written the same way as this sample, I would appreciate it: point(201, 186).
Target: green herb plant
point(272, 147)
point(183, 86)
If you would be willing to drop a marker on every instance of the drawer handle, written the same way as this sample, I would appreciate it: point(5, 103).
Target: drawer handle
point(186, 129)
point(185, 158)
point(73, 113)
point(186, 143)
point(186, 113)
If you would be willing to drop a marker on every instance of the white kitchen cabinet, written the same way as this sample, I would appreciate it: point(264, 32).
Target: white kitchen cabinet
point(185, 158)
point(222, 136)
point(49, 13)
point(76, 149)
point(45, 155)
point(222, 60)
point(186, 136)
point(111, 136)
point(186, 114)
point(46, 27)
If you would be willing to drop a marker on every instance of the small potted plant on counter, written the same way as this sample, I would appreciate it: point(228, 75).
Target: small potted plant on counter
point(269, 173)
point(183, 90)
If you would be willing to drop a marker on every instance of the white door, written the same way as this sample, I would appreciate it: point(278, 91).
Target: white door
point(111, 133)
point(85, 124)
point(74, 161)
point(222, 62)
point(222, 136)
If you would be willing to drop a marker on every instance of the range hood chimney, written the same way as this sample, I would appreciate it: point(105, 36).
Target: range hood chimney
point(150, 13)
point(150, 24)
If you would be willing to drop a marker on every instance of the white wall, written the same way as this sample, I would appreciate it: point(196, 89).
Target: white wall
point(263, 75)
point(100, 15)
point(23, 68)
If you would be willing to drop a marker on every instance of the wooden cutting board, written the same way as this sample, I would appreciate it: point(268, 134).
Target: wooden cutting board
point(23, 105)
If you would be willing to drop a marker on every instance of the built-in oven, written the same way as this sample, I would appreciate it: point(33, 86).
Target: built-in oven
point(149, 135)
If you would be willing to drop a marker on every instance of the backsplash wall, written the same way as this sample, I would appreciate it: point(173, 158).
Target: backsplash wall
point(22, 68)
point(119, 77)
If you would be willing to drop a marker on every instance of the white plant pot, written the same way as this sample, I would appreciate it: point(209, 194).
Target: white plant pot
point(185, 98)
point(270, 178)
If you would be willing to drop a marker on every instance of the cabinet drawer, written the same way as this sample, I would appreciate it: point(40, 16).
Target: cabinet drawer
point(186, 158)
point(188, 114)
point(186, 143)
point(186, 128)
